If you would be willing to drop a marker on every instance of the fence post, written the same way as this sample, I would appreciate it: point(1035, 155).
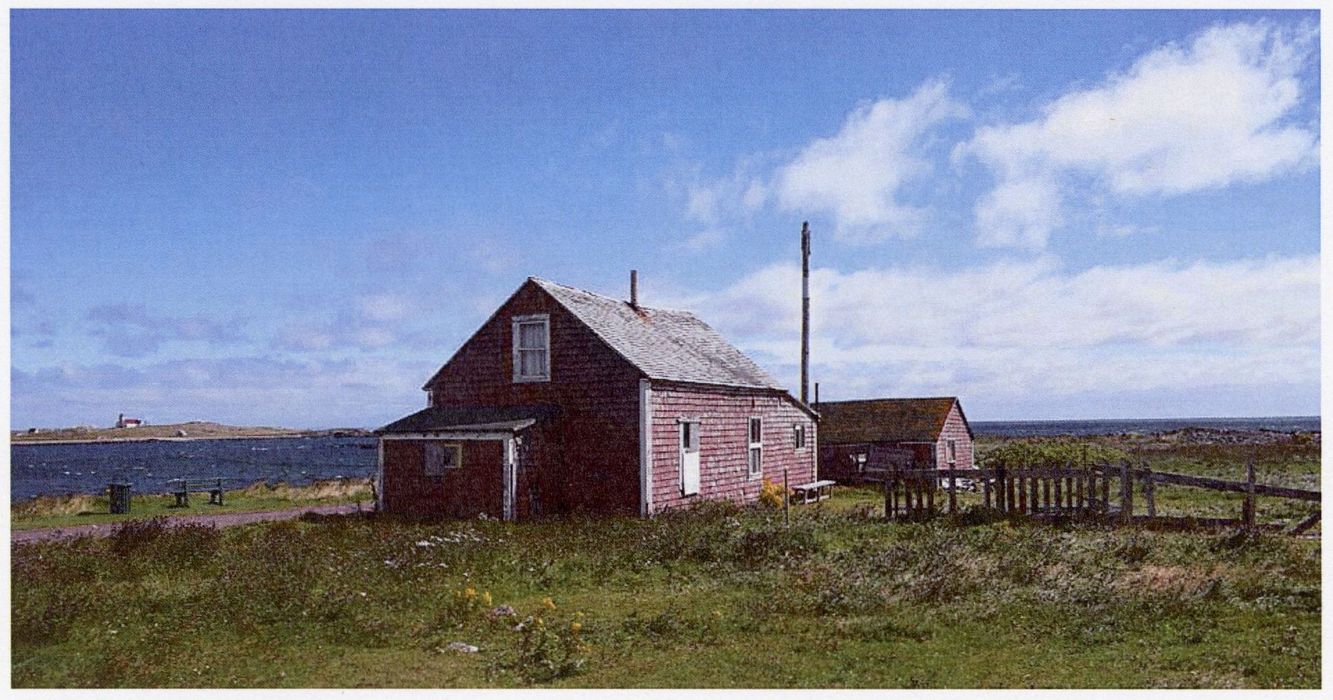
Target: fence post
point(1249, 495)
point(1126, 492)
point(1106, 488)
point(1148, 491)
point(1059, 497)
point(888, 508)
point(985, 489)
point(929, 485)
point(953, 496)
point(786, 500)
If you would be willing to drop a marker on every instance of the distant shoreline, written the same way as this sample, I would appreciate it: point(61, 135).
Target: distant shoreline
point(117, 440)
point(173, 432)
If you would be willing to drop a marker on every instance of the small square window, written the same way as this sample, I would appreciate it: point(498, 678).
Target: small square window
point(441, 457)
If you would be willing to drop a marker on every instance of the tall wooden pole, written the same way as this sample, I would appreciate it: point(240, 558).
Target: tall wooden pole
point(805, 312)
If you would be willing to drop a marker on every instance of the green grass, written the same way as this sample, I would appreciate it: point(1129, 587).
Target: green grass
point(715, 597)
point(66, 511)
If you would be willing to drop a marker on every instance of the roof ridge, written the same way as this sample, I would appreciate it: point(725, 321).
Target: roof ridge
point(896, 398)
point(581, 290)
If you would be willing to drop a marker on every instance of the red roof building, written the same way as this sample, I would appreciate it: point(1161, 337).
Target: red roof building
point(860, 439)
point(565, 401)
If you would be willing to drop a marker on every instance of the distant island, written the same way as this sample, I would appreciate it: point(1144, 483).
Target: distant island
point(193, 430)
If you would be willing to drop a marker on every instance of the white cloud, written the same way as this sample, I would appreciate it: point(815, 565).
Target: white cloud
point(1020, 330)
point(856, 174)
point(1214, 112)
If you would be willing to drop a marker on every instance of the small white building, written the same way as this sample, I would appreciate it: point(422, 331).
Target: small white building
point(123, 422)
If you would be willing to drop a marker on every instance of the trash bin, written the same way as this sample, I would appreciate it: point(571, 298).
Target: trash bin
point(120, 497)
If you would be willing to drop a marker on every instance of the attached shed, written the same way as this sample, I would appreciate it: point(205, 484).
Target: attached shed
point(566, 401)
point(859, 439)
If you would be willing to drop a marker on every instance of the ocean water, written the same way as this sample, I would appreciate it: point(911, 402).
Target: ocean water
point(1048, 428)
point(148, 465)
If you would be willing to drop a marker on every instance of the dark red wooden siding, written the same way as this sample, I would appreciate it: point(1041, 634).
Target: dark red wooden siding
point(587, 458)
point(466, 492)
point(724, 414)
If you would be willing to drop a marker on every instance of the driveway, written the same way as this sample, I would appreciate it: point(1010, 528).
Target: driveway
point(215, 520)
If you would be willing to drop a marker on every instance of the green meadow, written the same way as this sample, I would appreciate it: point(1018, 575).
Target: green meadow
point(713, 597)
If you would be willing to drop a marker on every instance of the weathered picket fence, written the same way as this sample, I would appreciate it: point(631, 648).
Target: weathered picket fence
point(1102, 491)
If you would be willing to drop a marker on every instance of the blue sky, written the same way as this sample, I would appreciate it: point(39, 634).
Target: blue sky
point(290, 217)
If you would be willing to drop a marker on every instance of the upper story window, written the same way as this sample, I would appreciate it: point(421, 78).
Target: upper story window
point(532, 348)
point(798, 435)
point(952, 452)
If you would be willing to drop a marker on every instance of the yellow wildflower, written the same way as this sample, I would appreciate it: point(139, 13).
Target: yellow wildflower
point(539, 622)
point(575, 626)
point(548, 603)
point(486, 598)
point(470, 592)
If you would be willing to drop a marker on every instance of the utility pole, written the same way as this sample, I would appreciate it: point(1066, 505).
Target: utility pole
point(805, 312)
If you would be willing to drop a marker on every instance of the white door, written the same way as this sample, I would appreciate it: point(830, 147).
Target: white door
point(689, 457)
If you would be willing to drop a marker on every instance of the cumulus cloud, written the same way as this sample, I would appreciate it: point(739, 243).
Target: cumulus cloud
point(131, 330)
point(1218, 110)
point(1016, 330)
point(856, 174)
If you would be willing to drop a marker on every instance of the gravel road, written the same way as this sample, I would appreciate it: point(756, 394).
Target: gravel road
point(216, 520)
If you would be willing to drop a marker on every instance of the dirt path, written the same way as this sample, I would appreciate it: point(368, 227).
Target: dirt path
point(216, 520)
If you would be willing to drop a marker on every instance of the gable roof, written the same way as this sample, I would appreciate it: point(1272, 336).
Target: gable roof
point(662, 343)
point(885, 420)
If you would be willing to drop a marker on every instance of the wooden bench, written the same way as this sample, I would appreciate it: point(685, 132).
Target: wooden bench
point(812, 492)
point(181, 488)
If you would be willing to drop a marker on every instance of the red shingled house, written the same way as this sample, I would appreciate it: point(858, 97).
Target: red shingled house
point(858, 439)
point(565, 401)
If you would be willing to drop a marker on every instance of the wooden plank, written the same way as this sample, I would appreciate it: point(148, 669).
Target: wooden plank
point(1022, 494)
point(1306, 524)
point(1046, 495)
point(1033, 502)
point(1078, 484)
point(1009, 504)
point(1106, 492)
point(929, 486)
point(985, 487)
point(1205, 482)
point(1056, 489)
point(888, 507)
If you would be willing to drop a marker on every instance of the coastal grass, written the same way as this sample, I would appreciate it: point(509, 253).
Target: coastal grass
point(717, 596)
point(83, 509)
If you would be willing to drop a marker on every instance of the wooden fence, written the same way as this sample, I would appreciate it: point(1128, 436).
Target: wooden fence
point(1094, 491)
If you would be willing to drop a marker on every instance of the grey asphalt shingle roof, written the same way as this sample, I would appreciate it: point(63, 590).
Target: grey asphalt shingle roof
point(663, 343)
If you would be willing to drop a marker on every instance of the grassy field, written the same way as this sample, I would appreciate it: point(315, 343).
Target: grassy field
point(716, 597)
point(65, 511)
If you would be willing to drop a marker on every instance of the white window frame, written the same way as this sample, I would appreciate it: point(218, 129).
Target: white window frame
point(754, 445)
point(799, 436)
point(426, 458)
point(951, 452)
point(545, 320)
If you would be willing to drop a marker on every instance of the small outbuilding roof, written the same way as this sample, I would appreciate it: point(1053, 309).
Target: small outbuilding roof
point(469, 418)
point(885, 420)
point(662, 343)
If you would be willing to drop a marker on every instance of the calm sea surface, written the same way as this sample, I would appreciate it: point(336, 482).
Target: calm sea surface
point(89, 467)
